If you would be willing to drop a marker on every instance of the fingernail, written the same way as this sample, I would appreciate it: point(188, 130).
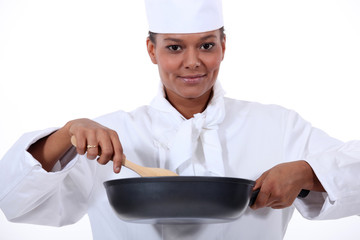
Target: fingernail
point(117, 169)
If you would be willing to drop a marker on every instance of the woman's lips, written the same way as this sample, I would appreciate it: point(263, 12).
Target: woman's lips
point(193, 78)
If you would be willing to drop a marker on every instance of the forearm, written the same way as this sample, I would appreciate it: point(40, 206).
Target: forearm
point(29, 194)
point(50, 149)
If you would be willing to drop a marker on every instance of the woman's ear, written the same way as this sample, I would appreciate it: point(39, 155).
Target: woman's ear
point(151, 50)
point(223, 46)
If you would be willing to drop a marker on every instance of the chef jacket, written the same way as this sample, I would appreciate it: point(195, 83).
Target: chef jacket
point(230, 138)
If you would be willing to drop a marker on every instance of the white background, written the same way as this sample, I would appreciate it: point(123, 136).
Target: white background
point(61, 60)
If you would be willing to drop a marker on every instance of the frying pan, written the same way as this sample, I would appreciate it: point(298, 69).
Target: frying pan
point(181, 199)
point(169, 199)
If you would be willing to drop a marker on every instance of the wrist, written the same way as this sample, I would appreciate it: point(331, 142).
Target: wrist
point(311, 182)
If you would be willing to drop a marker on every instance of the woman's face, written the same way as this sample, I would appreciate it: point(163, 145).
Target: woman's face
point(188, 63)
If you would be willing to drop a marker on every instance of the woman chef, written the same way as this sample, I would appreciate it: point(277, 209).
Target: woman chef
point(190, 128)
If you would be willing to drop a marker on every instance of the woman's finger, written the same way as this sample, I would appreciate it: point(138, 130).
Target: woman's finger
point(258, 184)
point(91, 145)
point(262, 199)
point(260, 180)
point(79, 142)
point(107, 150)
point(118, 157)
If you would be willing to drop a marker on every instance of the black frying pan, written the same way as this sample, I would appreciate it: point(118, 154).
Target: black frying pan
point(172, 200)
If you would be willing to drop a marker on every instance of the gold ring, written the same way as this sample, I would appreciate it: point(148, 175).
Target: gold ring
point(91, 146)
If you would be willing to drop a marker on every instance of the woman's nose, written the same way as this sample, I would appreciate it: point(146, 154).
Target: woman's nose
point(192, 60)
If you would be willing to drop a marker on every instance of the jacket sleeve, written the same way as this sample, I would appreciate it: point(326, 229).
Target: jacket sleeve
point(335, 163)
point(338, 171)
point(30, 194)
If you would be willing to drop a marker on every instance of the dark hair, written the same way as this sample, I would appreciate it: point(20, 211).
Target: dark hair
point(152, 35)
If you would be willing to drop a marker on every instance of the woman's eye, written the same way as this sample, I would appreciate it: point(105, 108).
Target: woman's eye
point(174, 48)
point(207, 46)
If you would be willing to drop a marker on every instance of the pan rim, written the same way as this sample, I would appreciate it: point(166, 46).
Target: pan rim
point(179, 179)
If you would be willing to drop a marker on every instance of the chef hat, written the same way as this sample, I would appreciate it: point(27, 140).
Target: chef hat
point(184, 16)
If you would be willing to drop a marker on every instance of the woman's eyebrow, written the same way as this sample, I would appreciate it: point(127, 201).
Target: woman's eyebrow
point(173, 39)
point(208, 36)
point(179, 40)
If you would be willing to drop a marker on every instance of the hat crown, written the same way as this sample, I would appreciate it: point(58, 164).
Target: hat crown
point(184, 16)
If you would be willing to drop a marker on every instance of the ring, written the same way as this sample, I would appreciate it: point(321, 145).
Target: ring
point(91, 146)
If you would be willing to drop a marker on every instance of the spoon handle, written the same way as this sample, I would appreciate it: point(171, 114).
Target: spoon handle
point(136, 168)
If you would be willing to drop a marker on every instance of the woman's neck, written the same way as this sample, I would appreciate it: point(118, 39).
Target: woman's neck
point(189, 106)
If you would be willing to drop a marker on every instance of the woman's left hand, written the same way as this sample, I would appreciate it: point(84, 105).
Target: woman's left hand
point(280, 185)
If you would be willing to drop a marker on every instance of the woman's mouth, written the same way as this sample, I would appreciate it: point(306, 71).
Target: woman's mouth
point(193, 79)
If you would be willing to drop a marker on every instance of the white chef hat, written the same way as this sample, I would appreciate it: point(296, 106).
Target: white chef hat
point(184, 16)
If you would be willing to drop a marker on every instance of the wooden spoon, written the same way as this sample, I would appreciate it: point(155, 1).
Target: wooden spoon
point(142, 171)
point(147, 171)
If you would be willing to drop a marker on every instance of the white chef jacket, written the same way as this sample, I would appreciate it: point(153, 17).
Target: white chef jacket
point(249, 138)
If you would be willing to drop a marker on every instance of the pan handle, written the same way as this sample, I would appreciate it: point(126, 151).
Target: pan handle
point(303, 193)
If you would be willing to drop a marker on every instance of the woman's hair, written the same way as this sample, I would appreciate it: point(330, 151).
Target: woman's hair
point(152, 35)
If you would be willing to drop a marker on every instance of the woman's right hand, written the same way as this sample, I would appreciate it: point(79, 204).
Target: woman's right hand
point(95, 140)
point(87, 133)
